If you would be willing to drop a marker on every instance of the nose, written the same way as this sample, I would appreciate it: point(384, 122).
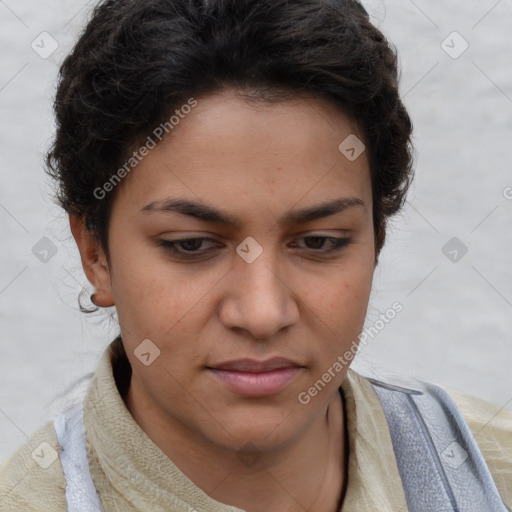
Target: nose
point(258, 297)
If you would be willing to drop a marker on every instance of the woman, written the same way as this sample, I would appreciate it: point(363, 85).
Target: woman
point(228, 167)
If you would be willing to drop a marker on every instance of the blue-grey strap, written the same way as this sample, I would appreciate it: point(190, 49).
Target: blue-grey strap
point(81, 494)
point(440, 464)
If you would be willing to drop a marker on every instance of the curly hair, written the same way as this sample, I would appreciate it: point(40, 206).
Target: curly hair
point(138, 60)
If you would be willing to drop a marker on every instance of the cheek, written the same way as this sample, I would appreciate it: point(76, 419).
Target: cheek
point(149, 303)
point(145, 288)
point(342, 293)
point(160, 299)
point(344, 311)
point(340, 304)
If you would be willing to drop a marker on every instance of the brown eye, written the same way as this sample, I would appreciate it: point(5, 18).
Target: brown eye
point(186, 247)
point(191, 244)
point(325, 244)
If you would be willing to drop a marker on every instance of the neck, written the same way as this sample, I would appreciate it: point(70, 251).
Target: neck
point(307, 474)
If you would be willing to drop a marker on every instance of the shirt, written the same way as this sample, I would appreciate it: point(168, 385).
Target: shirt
point(132, 474)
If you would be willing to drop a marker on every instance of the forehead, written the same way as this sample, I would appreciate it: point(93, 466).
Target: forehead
point(228, 121)
point(242, 152)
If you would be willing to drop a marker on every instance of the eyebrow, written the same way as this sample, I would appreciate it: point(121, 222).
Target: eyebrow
point(211, 214)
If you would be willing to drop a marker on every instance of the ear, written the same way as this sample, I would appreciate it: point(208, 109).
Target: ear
point(94, 262)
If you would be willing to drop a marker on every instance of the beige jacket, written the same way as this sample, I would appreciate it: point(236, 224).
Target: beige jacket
point(132, 474)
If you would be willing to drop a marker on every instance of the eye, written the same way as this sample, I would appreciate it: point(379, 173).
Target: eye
point(193, 247)
point(318, 243)
point(186, 246)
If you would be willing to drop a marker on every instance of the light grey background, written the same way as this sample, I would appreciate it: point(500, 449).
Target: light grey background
point(456, 322)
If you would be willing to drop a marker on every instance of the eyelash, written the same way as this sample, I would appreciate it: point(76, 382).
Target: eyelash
point(338, 245)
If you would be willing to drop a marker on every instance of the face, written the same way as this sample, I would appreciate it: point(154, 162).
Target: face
point(223, 256)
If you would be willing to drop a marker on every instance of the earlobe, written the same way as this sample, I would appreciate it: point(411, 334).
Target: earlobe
point(94, 261)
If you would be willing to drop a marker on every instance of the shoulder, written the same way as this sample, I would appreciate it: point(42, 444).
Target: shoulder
point(31, 479)
point(491, 426)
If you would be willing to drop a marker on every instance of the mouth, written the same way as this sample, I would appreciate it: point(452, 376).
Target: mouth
point(248, 377)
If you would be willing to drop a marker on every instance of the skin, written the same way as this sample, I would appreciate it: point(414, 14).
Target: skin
point(256, 162)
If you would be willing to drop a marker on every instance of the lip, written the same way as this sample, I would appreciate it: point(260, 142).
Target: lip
point(253, 365)
point(248, 377)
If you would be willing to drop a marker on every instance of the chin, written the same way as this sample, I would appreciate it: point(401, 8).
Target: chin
point(262, 433)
